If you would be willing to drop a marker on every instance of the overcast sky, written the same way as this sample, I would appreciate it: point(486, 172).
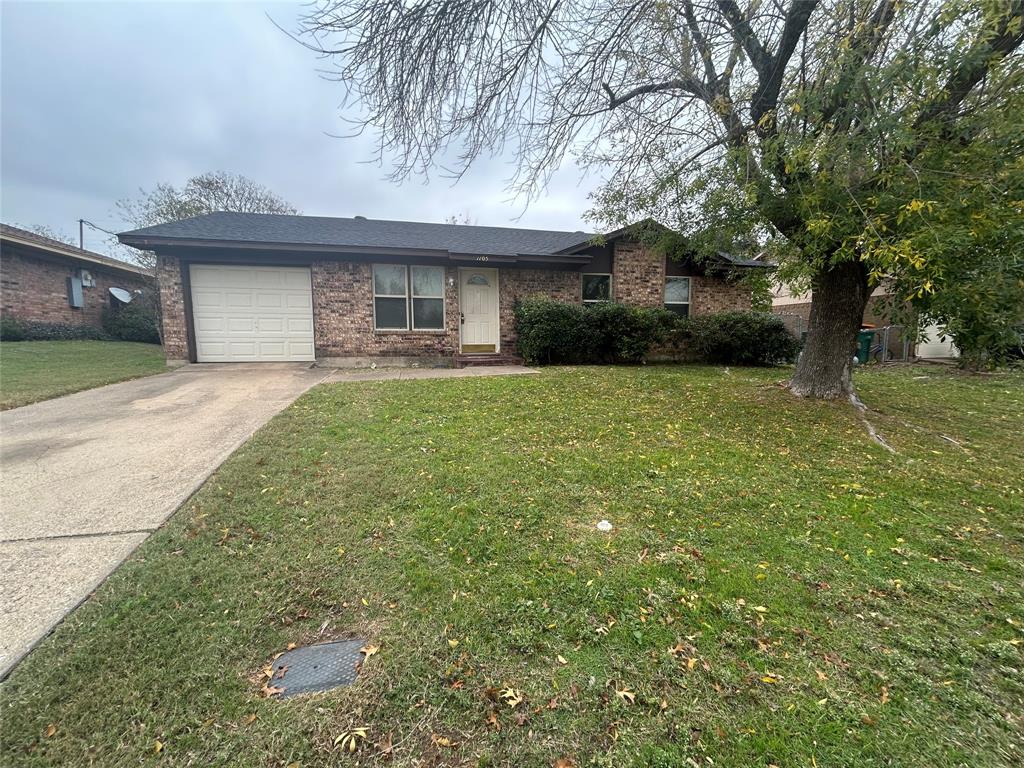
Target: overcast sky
point(100, 99)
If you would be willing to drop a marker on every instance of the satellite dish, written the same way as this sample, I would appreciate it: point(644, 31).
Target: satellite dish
point(121, 294)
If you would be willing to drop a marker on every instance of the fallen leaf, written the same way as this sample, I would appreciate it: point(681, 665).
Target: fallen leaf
point(368, 651)
point(158, 746)
point(349, 740)
point(885, 694)
point(626, 695)
point(512, 697)
point(51, 729)
point(565, 762)
point(271, 690)
point(442, 741)
point(770, 679)
point(249, 719)
point(385, 746)
point(561, 660)
point(453, 643)
point(492, 720)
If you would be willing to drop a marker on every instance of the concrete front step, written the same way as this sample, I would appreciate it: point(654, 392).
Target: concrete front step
point(486, 358)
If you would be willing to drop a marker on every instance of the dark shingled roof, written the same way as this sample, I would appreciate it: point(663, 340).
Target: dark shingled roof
point(323, 231)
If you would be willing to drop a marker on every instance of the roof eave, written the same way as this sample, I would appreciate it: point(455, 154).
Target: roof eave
point(150, 243)
point(77, 254)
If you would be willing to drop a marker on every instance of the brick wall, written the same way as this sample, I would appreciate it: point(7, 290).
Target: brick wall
point(638, 278)
point(172, 308)
point(711, 293)
point(343, 304)
point(638, 275)
point(516, 284)
point(343, 316)
point(36, 289)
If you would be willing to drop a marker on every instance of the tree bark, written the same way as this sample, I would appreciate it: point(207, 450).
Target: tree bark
point(839, 296)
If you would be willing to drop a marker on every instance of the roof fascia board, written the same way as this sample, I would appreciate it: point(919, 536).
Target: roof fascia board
point(162, 242)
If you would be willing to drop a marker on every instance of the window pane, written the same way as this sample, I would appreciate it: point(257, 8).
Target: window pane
point(597, 287)
point(390, 313)
point(683, 310)
point(428, 314)
point(428, 281)
point(388, 280)
point(677, 290)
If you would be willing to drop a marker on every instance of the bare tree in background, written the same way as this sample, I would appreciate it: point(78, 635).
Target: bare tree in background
point(815, 126)
point(207, 193)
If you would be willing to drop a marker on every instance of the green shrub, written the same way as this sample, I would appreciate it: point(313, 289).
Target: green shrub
point(741, 338)
point(626, 334)
point(557, 332)
point(552, 332)
point(12, 329)
point(135, 321)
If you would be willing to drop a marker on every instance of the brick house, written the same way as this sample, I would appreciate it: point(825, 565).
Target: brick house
point(260, 287)
point(47, 281)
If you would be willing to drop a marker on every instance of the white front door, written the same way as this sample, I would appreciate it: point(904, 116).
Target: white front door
point(478, 303)
point(250, 313)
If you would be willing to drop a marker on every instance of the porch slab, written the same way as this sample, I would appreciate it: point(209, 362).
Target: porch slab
point(406, 374)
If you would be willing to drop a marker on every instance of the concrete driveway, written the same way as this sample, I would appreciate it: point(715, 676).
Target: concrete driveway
point(84, 479)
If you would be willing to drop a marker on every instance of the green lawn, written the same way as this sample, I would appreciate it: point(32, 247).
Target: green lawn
point(777, 588)
point(38, 370)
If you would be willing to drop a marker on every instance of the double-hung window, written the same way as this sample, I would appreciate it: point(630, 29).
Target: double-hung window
point(677, 295)
point(400, 291)
point(427, 298)
point(596, 288)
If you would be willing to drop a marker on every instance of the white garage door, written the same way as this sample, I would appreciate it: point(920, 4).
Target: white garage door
point(247, 314)
point(935, 345)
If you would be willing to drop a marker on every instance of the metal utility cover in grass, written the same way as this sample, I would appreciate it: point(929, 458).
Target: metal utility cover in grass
point(317, 668)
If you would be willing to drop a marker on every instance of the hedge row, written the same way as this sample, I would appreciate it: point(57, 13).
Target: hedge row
point(554, 332)
point(127, 322)
point(12, 329)
point(132, 322)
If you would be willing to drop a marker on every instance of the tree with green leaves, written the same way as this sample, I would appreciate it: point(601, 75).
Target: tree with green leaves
point(812, 127)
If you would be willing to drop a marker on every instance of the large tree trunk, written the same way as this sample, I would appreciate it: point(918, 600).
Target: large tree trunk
point(839, 296)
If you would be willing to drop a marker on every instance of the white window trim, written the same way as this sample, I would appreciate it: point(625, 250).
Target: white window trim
point(611, 287)
point(373, 290)
point(444, 301)
point(689, 292)
point(408, 296)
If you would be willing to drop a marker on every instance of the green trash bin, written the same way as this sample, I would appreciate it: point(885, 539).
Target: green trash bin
point(864, 338)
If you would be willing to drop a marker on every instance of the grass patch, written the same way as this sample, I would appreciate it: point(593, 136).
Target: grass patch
point(31, 371)
point(776, 590)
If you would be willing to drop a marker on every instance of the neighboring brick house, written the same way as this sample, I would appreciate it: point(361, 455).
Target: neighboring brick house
point(903, 342)
point(47, 281)
point(262, 287)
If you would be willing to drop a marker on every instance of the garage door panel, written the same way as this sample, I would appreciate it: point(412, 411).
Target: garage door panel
point(246, 325)
point(203, 298)
point(267, 300)
point(244, 314)
point(298, 301)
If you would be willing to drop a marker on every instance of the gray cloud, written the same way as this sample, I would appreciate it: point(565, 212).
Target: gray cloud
point(99, 99)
